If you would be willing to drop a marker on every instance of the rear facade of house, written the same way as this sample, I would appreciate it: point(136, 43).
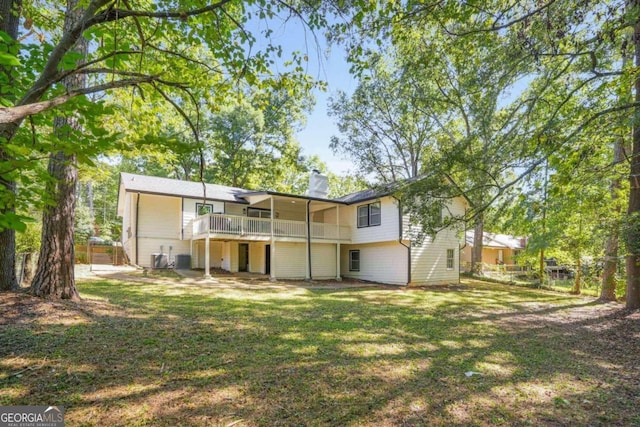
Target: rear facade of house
point(361, 236)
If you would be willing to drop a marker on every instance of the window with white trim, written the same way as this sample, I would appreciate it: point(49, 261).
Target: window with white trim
point(354, 260)
point(450, 259)
point(369, 215)
point(203, 208)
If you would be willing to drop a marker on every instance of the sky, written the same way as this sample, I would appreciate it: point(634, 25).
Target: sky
point(328, 65)
point(316, 136)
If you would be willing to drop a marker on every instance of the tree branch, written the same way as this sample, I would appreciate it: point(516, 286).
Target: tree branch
point(20, 112)
point(113, 14)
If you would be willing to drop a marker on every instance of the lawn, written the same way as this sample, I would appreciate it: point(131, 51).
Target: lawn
point(247, 354)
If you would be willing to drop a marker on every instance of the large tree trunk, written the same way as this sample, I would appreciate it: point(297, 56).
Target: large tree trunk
point(8, 280)
point(633, 211)
point(609, 282)
point(478, 237)
point(54, 275)
point(9, 19)
point(28, 269)
point(577, 283)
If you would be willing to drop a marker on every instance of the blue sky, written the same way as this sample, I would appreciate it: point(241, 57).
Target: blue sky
point(327, 65)
point(316, 136)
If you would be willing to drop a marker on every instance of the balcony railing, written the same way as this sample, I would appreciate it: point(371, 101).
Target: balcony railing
point(247, 226)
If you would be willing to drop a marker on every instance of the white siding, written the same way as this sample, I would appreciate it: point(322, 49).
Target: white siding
point(159, 220)
point(148, 246)
point(291, 211)
point(189, 209)
point(388, 230)
point(233, 249)
point(235, 209)
point(330, 215)
point(257, 257)
point(317, 216)
point(215, 254)
point(229, 259)
point(383, 262)
point(126, 219)
point(290, 260)
point(159, 217)
point(128, 231)
point(429, 261)
point(323, 261)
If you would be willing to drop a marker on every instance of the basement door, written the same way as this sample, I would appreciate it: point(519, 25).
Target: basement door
point(243, 257)
point(267, 259)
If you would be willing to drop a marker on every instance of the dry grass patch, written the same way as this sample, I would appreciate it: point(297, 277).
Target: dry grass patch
point(144, 353)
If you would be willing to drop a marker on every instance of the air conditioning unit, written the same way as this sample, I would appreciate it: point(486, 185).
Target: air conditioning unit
point(159, 261)
point(183, 261)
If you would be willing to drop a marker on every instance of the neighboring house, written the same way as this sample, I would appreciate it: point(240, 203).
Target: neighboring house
point(361, 235)
point(497, 249)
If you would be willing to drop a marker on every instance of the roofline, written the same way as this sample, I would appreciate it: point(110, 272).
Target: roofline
point(294, 196)
point(366, 199)
point(184, 196)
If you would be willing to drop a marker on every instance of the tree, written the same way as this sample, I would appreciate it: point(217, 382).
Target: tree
point(162, 54)
point(449, 123)
point(55, 271)
point(9, 14)
point(385, 132)
point(572, 49)
point(611, 248)
point(633, 211)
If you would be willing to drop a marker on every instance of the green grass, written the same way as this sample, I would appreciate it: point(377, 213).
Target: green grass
point(177, 354)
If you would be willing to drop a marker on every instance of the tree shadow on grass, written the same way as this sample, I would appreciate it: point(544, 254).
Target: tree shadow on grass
point(169, 355)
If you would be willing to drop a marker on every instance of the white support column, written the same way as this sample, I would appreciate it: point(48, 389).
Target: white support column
point(272, 268)
point(207, 261)
point(338, 277)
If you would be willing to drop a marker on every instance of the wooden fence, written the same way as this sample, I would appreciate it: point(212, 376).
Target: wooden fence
point(100, 254)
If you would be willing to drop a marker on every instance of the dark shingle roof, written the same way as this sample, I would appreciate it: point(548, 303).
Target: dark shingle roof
point(174, 187)
point(361, 196)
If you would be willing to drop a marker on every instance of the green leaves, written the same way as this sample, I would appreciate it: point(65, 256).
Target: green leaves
point(8, 60)
point(10, 220)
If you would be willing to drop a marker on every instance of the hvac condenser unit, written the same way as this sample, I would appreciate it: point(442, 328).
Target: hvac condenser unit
point(159, 261)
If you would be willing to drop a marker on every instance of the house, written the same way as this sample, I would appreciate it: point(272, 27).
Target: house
point(497, 249)
point(286, 236)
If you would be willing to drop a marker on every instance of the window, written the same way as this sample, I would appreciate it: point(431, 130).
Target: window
point(258, 213)
point(363, 216)
point(354, 260)
point(450, 261)
point(203, 208)
point(369, 215)
point(374, 214)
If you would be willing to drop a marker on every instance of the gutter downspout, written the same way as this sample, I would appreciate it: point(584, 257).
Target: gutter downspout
point(461, 247)
point(137, 218)
point(401, 242)
point(309, 239)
